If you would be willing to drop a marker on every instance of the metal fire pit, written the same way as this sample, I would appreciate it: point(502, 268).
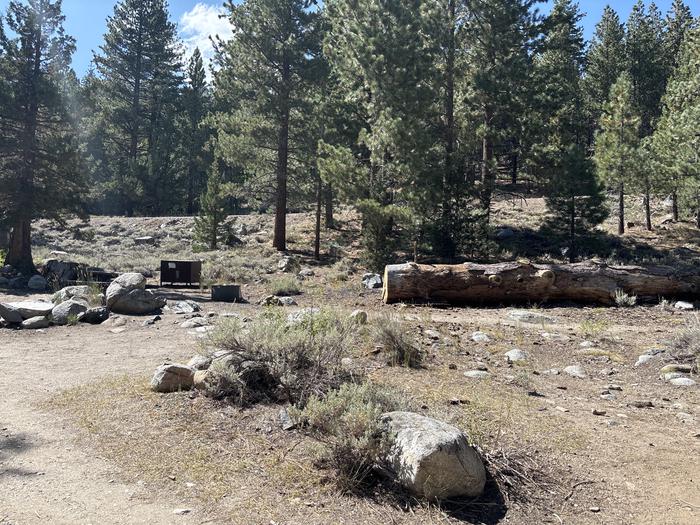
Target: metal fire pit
point(180, 272)
point(226, 293)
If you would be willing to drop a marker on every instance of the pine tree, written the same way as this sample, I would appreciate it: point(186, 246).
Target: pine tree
point(559, 113)
point(644, 47)
point(196, 103)
point(678, 22)
point(140, 75)
point(262, 88)
point(605, 62)
point(575, 200)
point(211, 226)
point(617, 142)
point(498, 35)
point(676, 142)
point(39, 176)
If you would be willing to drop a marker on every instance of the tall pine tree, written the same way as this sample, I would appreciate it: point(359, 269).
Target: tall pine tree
point(140, 75)
point(605, 62)
point(676, 142)
point(262, 88)
point(617, 143)
point(196, 101)
point(39, 176)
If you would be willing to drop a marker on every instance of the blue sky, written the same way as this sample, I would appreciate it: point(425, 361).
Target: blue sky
point(197, 19)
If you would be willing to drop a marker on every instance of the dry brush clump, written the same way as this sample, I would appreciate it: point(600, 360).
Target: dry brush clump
point(280, 359)
point(347, 422)
point(401, 350)
point(686, 344)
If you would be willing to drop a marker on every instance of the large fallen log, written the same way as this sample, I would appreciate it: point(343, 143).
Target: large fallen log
point(513, 282)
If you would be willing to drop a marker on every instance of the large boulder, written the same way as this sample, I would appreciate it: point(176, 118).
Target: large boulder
point(172, 378)
point(69, 311)
point(61, 272)
point(29, 309)
point(37, 283)
point(10, 314)
point(432, 459)
point(70, 292)
point(127, 295)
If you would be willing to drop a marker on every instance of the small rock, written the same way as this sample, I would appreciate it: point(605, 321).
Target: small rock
point(185, 307)
point(199, 362)
point(678, 368)
point(529, 317)
point(195, 322)
point(599, 412)
point(641, 404)
point(285, 421)
point(36, 323)
point(172, 378)
point(477, 374)
point(516, 356)
point(372, 280)
point(480, 337)
point(683, 305)
point(359, 317)
point(594, 509)
point(576, 371)
point(561, 409)
point(682, 381)
point(288, 265)
point(306, 273)
point(643, 359)
point(182, 512)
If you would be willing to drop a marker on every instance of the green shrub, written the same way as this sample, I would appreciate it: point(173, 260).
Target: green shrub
point(347, 422)
point(686, 344)
point(399, 347)
point(285, 286)
point(623, 299)
point(275, 360)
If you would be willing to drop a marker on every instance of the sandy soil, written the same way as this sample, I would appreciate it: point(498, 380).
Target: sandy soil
point(636, 465)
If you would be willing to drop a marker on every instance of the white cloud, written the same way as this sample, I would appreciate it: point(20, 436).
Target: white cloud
point(198, 24)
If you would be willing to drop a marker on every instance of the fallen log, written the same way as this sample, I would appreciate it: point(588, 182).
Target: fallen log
point(515, 282)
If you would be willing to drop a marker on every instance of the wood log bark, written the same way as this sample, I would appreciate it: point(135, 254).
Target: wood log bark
point(514, 282)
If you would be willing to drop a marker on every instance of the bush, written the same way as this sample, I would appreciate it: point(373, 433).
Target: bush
point(275, 360)
point(347, 422)
point(384, 232)
point(400, 349)
point(623, 299)
point(285, 286)
point(686, 345)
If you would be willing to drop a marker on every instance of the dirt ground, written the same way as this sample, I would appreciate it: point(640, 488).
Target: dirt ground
point(82, 440)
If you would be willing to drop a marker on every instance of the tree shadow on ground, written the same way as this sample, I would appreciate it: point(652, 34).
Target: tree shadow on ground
point(13, 445)
point(489, 509)
point(545, 245)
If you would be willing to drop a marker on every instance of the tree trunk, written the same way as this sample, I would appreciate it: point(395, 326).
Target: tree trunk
point(519, 283)
point(488, 177)
point(621, 211)
point(319, 205)
point(514, 166)
point(647, 209)
point(330, 222)
point(280, 234)
point(674, 206)
point(572, 231)
point(19, 255)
